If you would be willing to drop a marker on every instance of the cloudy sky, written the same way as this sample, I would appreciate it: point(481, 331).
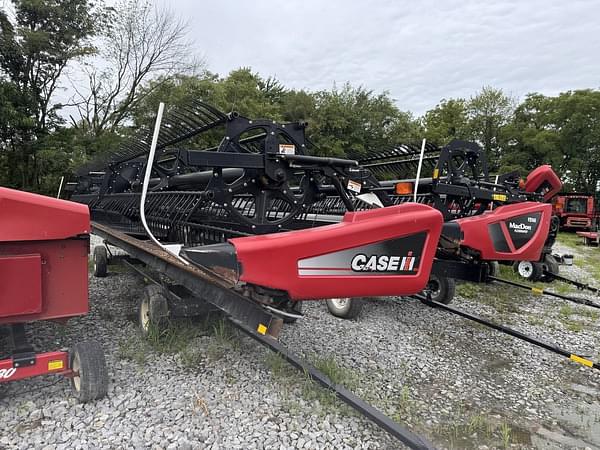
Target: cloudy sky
point(419, 51)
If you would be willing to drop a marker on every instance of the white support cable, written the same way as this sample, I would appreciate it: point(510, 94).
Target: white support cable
point(62, 179)
point(173, 249)
point(419, 170)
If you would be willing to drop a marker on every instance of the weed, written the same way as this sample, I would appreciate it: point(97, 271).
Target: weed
point(535, 320)
point(191, 357)
point(565, 311)
point(467, 290)
point(573, 325)
point(278, 366)
point(170, 338)
point(336, 373)
point(505, 433)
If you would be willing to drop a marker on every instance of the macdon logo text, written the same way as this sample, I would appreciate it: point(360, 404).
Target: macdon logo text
point(383, 263)
point(519, 227)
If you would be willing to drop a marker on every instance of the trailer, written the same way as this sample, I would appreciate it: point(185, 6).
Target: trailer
point(185, 290)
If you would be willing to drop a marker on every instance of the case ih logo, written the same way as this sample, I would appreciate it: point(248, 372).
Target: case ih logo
point(519, 227)
point(393, 257)
point(383, 263)
point(7, 373)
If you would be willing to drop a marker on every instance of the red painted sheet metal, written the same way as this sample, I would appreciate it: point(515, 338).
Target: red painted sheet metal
point(32, 217)
point(543, 180)
point(512, 232)
point(20, 285)
point(64, 278)
point(45, 363)
point(387, 251)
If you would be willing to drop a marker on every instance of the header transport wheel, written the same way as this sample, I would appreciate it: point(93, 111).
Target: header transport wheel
point(153, 310)
point(90, 380)
point(530, 270)
point(441, 289)
point(345, 308)
point(100, 261)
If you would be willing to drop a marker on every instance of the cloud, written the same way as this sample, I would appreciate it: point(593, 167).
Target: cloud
point(420, 52)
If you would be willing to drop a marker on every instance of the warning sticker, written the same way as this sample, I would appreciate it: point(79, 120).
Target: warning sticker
point(287, 149)
point(354, 186)
point(55, 364)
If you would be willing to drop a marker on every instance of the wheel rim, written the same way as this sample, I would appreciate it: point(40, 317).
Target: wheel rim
point(95, 266)
point(145, 315)
point(434, 287)
point(525, 269)
point(340, 303)
point(76, 367)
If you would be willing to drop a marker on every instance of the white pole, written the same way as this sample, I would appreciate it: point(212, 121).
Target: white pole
point(419, 170)
point(173, 249)
point(60, 186)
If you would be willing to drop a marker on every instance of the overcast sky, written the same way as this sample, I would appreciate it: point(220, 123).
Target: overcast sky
point(419, 51)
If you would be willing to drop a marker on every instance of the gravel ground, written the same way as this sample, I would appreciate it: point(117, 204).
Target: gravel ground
point(202, 385)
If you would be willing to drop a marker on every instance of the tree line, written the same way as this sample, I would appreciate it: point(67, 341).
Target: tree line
point(119, 62)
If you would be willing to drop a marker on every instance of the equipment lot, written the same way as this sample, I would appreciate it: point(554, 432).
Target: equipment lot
point(204, 386)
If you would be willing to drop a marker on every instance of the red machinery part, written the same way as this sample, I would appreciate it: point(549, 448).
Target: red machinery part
point(44, 245)
point(381, 252)
point(32, 217)
point(514, 232)
point(544, 181)
point(56, 363)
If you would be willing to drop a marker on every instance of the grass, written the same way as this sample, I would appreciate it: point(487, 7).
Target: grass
point(178, 337)
point(505, 432)
point(324, 401)
point(476, 430)
point(569, 239)
point(468, 290)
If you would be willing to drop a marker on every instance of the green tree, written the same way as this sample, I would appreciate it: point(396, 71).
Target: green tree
point(489, 112)
point(563, 131)
point(447, 121)
point(35, 48)
point(350, 121)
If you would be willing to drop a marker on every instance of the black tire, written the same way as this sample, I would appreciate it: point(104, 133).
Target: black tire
point(87, 359)
point(297, 308)
point(345, 308)
point(100, 258)
point(550, 264)
point(153, 309)
point(493, 268)
point(442, 289)
point(529, 270)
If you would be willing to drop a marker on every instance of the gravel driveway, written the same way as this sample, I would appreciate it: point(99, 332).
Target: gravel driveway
point(202, 385)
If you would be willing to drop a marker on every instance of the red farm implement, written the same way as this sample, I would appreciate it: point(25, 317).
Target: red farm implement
point(44, 246)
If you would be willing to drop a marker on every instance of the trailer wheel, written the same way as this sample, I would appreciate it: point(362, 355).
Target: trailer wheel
point(442, 289)
point(530, 270)
point(153, 310)
point(86, 359)
point(345, 307)
point(550, 265)
point(100, 261)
